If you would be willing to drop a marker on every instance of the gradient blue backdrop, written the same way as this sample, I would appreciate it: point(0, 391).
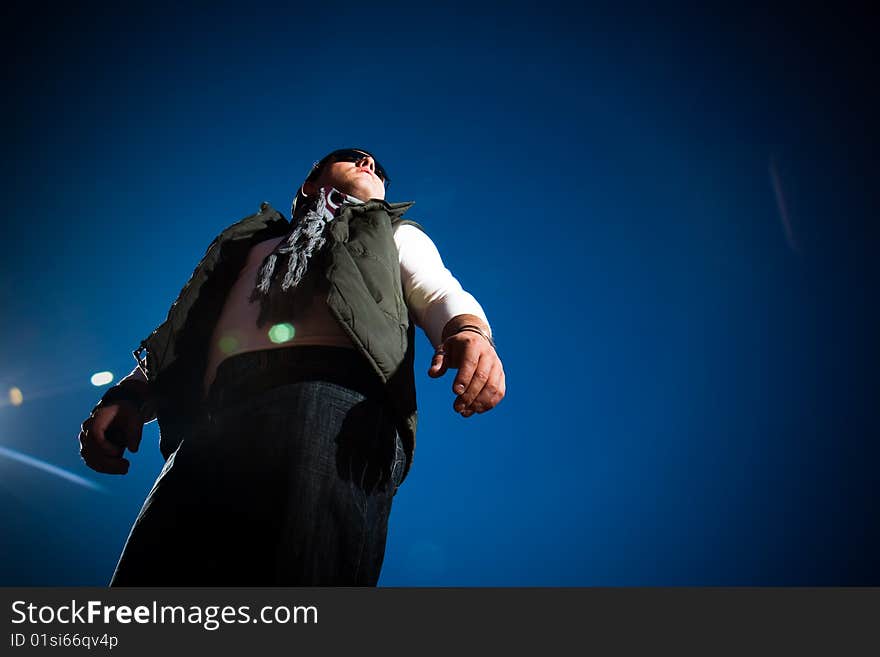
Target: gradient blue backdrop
point(669, 217)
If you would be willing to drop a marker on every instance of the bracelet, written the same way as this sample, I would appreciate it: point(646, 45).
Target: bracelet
point(473, 329)
point(120, 393)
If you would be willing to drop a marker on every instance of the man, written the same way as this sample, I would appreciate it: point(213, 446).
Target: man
point(283, 384)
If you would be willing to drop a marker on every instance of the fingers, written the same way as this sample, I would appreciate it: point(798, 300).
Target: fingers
point(133, 428)
point(438, 364)
point(485, 388)
point(101, 462)
point(94, 432)
point(479, 384)
point(492, 392)
point(467, 366)
point(480, 377)
point(134, 439)
point(98, 456)
point(99, 453)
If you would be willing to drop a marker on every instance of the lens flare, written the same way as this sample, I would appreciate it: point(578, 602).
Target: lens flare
point(228, 344)
point(784, 216)
point(101, 378)
point(45, 466)
point(282, 333)
point(15, 396)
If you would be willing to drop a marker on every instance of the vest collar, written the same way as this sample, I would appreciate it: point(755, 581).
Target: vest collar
point(394, 209)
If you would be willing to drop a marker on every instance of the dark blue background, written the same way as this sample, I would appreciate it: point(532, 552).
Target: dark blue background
point(692, 383)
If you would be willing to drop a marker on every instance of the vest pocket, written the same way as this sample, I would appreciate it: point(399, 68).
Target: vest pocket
point(380, 282)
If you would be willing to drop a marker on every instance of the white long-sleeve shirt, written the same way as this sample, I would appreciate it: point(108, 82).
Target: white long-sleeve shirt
point(432, 294)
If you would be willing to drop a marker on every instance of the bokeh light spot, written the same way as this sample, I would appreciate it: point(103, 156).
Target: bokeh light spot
point(228, 344)
point(102, 378)
point(15, 396)
point(282, 333)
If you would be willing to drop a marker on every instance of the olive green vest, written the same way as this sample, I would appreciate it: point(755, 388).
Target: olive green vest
point(364, 294)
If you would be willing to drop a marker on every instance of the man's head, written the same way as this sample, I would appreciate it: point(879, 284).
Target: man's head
point(352, 171)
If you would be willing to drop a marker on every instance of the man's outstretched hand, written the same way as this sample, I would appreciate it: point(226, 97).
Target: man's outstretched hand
point(108, 430)
point(479, 385)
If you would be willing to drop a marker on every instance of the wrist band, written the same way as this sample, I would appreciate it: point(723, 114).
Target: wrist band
point(120, 393)
point(473, 329)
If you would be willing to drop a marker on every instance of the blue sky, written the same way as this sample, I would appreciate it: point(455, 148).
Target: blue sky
point(670, 219)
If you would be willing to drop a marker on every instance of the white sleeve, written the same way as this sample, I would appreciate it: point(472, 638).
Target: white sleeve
point(432, 293)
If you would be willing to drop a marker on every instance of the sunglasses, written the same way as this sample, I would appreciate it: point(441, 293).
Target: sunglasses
point(353, 155)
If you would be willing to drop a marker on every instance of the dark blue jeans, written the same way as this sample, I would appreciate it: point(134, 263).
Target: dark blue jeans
point(288, 480)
